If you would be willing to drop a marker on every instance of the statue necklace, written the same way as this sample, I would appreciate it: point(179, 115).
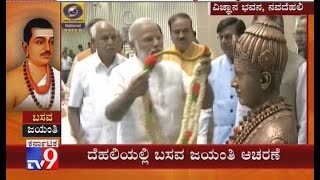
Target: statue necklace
point(254, 118)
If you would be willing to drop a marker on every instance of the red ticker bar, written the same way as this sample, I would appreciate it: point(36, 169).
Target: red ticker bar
point(175, 156)
point(24, 1)
point(261, 8)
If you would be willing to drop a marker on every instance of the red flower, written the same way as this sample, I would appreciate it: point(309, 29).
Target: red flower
point(149, 62)
point(196, 88)
point(187, 135)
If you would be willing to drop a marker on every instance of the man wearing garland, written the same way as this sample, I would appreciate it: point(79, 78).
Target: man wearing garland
point(260, 58)
point(35, 85)
point(184, 39)
point(148, 103)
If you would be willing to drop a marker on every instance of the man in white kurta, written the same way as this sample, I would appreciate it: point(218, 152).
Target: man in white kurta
point(131, 82)
point(164, 83)
point(225, 99)
point(90, 89)
point(166, 92)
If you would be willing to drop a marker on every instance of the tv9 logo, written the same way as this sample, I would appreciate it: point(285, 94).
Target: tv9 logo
point(42, 158)
point(73, 11)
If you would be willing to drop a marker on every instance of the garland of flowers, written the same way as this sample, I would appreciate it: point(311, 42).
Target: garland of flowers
point(192, 108)
point(151, 123)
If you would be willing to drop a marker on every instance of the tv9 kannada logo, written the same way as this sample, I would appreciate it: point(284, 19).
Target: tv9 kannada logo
point(72, 11)
point(40, 156)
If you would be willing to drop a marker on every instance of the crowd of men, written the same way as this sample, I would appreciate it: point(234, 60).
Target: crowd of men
point(106, 91)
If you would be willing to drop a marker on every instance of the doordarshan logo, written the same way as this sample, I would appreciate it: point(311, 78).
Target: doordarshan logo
point(72, 11)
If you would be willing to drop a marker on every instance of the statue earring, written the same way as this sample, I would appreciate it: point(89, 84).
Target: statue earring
point(265, 80)
point(264, 86)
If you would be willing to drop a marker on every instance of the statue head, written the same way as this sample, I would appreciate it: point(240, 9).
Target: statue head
point(260, 58)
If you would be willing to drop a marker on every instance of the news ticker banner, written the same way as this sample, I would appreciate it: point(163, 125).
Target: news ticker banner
point(41, 124)
point(43, 155)
point(261, 8)
point(73, 11)
point(184, 0)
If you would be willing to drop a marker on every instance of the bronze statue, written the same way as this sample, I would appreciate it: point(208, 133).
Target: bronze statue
point(260, 57)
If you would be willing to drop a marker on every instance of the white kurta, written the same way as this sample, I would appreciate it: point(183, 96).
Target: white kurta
point(167, 95)
point(89, 91)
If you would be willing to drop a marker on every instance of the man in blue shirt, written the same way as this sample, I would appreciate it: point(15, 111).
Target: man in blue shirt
point(225, 100)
